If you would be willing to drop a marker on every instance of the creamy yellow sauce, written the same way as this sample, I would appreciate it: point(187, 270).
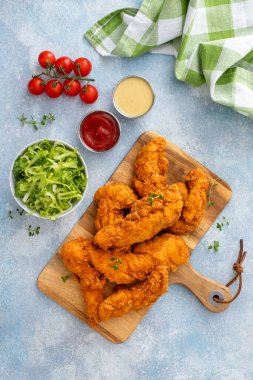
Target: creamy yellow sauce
point(133, 97)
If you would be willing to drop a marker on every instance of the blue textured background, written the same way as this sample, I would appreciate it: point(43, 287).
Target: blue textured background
point(178, 339)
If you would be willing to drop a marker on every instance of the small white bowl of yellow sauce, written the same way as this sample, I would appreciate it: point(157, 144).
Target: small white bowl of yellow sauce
point(133, 96)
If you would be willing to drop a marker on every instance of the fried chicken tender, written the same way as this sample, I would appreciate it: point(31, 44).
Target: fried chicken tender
point(112, 199)
point(75, 256)
point(135, 297)
point(92, 299)
point(194, 204)
point(144, 221)
point(77, 253)
point(131, 267)
point(151, 167)
point(88, 262)
point(183, 190)
point(166, 249)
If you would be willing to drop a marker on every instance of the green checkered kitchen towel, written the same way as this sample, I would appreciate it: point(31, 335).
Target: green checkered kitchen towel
point(211, 39)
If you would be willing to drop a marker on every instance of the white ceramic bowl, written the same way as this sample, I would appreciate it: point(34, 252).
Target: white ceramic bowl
point(19, 200)
point(118, 108)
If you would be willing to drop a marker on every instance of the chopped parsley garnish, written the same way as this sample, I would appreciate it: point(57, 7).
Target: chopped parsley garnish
point(223, 223)
point(21, 212)
point(33, 231)
point(152, 196)
point(116, 262)
point(214, 246)
point(24, 120)
point(210, 202)
point(65, 278)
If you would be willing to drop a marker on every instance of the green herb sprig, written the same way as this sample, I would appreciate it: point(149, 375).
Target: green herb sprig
point(24, 120)
point(152, 196)
point(33, 231)
point(65, 278)
point(19, 211)
point(210, 202)
point(223, 223)
point(214, 246)
point(116, 263)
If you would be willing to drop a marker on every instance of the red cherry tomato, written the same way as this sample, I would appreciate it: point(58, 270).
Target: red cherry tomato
point(46, 58)
point(82, 66)
point(53, 88)
point(71, 87)
point(36, 86)
point(64, 65)
point(88, 94)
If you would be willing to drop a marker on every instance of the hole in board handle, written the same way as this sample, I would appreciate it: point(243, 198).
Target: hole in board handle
point(213, 295)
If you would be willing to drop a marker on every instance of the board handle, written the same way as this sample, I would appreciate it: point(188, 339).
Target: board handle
point(202, 287)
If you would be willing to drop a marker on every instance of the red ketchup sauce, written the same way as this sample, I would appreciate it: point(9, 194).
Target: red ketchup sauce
point(100, 131)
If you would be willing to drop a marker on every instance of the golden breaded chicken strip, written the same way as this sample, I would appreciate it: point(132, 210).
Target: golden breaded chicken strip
point(112, 199)
point(194, 205)
point(92, 299)
point(90, 263)
point(151, 167)
point(122, 268)
point(75, 256)
point(183, 190)
point(135, 297)
point(168, 250)
point(147, 217)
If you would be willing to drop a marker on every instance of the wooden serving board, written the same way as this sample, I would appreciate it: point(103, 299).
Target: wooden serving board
point(119, 329)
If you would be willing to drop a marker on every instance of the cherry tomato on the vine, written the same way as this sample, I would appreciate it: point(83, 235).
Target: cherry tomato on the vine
point(64, 65)
point(88, 94)
point(71, 87)
point(46, 58)
point(36, 86)
point(82, 66)
point(53, 88)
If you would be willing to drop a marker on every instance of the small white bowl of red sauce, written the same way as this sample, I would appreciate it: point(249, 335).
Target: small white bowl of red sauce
point(99, 131)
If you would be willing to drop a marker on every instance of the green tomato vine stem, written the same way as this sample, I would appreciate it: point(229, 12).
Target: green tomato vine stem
point(59, 77)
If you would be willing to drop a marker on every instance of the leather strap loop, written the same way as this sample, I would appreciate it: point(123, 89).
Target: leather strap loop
point(239, 270)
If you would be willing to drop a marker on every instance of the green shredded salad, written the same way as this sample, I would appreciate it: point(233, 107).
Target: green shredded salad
point(50, 178)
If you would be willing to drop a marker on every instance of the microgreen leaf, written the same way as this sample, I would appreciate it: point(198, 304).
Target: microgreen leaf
point(22, 119)
point(152, 196)
point(116, 263)
point(219, 226)
point(210, 202)
point(21, 212)
point(214, 246)
point(33, 231)
point(65, 278)
point(224, 222)
point(35, 123)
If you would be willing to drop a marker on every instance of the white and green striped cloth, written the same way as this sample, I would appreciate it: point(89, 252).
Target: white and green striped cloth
point(211, 39)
